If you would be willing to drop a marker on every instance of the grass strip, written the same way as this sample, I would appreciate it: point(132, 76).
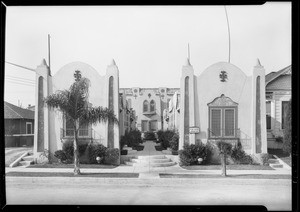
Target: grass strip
point(229, 167)
point(61, 165)
point(244, 176)
point(71, 174)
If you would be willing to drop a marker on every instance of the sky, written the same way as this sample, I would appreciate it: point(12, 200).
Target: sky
point(148, 43)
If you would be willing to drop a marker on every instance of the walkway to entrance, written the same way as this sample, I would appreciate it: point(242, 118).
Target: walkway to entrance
point(149, 149)
point(149, 162)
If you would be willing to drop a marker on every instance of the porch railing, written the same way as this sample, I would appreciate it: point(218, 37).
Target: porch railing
point(231, 135)
point(223, 133)
point(89, 134)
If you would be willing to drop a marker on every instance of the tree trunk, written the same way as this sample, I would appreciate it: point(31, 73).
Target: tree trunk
point(76, 152)
point(223, 163)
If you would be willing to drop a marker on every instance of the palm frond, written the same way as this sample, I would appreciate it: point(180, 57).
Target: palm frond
point(59, 100)
point(98, 114)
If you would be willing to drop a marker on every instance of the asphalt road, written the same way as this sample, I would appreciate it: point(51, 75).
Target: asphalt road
point(275, 194)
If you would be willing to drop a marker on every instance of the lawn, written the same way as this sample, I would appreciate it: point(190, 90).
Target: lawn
point(282, 155)
point(61, 165)
point(71, 174)
point(229, 167)
point(245, 176)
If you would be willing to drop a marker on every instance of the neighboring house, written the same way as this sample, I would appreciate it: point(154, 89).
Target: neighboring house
point(19, 126)
point(31, 107)
point(278, 94)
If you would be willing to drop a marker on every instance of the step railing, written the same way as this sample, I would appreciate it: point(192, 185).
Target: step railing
point(89, 134)
point(237, 135)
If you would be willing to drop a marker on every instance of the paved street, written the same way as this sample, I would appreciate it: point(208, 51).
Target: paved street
point(274, 194)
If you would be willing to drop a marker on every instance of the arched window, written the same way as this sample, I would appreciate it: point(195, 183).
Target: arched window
point(152, 106)
point(145, 106)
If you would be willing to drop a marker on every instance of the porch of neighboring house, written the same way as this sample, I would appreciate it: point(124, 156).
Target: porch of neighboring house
point(278, 94)
point(19, 126)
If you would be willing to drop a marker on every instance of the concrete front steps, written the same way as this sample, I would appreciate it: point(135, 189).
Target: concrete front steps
point(274, 163)
point(23, 161)
point(152, 161)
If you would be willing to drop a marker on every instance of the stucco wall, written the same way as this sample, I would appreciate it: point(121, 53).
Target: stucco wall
point(209, 86)
point(63, 79)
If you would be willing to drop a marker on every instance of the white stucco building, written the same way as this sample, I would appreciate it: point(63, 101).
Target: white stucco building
point(223, 103)
point(52, 127)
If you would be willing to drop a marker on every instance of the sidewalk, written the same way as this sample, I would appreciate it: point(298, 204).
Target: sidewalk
point(153, 172)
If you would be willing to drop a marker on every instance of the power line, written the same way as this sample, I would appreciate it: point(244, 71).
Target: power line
point(19, 78)
point(228, 33)
point(32, 85)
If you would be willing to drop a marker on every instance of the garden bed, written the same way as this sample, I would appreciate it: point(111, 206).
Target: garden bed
point(71, 174)
point(245, 176)
point(159, 148)
point(229, 167)
point(62, 165)
point(138, 148)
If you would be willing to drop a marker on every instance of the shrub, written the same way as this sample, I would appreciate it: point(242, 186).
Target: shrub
point(134, 138)
point(96, 150)
point(111, 156)
point(279, 139)
point(192, 152)
point(185, 158)
point(174, 142)
point(124, 152)
point(166, 138)
point(224, 147)
point(82, 148)
point(239, 155)
point(149, 136)
point(68, 148)
point(159, 135)
point(124, 140)
point(131, 139)
point(262, 158)
point(61, 156)
point(287, 133)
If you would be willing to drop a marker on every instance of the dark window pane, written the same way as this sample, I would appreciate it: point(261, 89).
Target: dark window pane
point(216, 122)
point(229, 122)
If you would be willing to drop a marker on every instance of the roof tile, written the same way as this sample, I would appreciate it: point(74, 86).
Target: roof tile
point(14, 112)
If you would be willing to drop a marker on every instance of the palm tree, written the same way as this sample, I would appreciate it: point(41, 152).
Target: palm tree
point(74, 104)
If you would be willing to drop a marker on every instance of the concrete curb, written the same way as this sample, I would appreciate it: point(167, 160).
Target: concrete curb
point(165, 182)
point(283, 163)
point(15, 163)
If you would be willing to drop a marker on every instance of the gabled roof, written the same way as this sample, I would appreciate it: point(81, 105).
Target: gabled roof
point(282, 82)
point(273, 75)
point(14, 112)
